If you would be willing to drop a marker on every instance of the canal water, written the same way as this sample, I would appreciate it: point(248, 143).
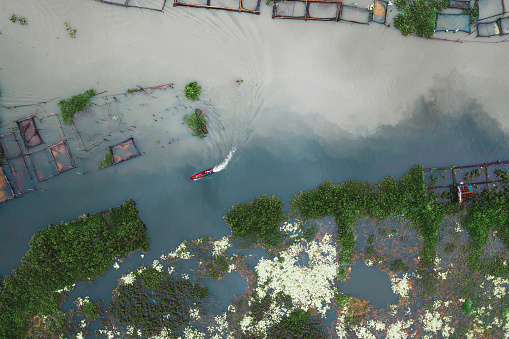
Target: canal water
point(319, 101)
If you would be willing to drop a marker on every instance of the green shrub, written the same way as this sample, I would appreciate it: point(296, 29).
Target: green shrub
point(91, 310)
point(107, 161)
point(258, 219)
point(192, 91)
point(61, 255)
point(150, 277)
point(474, 13)
point(467, 306)
point(341, 299)
point(418, 16)
point(399, 265)
point(197, 123)
point(295, 321)
point(74, 105)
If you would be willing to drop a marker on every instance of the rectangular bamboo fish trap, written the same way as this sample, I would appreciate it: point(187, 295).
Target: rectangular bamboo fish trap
point(10, 146)
point(29, 132)
point(244, 6)
point(452, 22)
point(124, 151)
point(51, 161)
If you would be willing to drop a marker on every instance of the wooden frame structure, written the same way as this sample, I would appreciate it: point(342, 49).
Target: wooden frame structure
point(123, 146)
point(55, 150)
point(240, 9)
point(306, 14)
point(126, 3)
point(453, 170)
point(29, 132)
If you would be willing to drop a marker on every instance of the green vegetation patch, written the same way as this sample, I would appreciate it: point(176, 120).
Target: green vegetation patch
point(72, 31)
point(61, 255)
point(352, 200)
point(256, 220)
point(298, 324)
point(197, 123)
point(163, 305)
point(418, 16)
point(74, 105)
point(107, 161)
point(474, 13)
point(192, 91)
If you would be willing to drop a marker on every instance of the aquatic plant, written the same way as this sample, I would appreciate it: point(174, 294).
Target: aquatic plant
point(22, 20)
point(13, 18)
point(72, 31)
point(474, 174)
point(92, 310)
point(398, 265)
point(258, 219)
point(352, 200)
point(77, 103)
point(197, 123)
point(418, 16)
point(60, 255)
point(132, 90)
point(192, 91)
point(162, 306)
point(107, 161)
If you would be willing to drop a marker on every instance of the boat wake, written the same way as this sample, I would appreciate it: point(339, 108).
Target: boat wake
point(223, 165)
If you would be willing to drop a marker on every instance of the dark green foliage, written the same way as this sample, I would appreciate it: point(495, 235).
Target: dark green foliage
point(92, 310)
point(341, 299)
point(59, 256)
point(398, 265)
point(218, 267)
point(495, 266)
point(132, 90)
point(192, 91)
point(295, 321)
point(502, 175)
point(258, 219)
point(74, 105)
point(107, 161)
point(22, 20)
point(490, 210)
point(165, 305)
point(150, 277)
point(418, 16)
point(474, 13)
point(474, 174)
point(197, 123)
point(259, 308)
point(298, 324)
point(13, 18)
point(390, 198)
point(467, 306)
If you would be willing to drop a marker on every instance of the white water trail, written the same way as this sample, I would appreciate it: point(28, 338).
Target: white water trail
point(223, 165)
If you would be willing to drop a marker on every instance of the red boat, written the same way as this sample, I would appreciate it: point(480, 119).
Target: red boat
point(200, 175)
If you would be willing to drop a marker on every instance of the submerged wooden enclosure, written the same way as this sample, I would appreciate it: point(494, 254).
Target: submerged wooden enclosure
point(244, 6)
point(329, 10)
